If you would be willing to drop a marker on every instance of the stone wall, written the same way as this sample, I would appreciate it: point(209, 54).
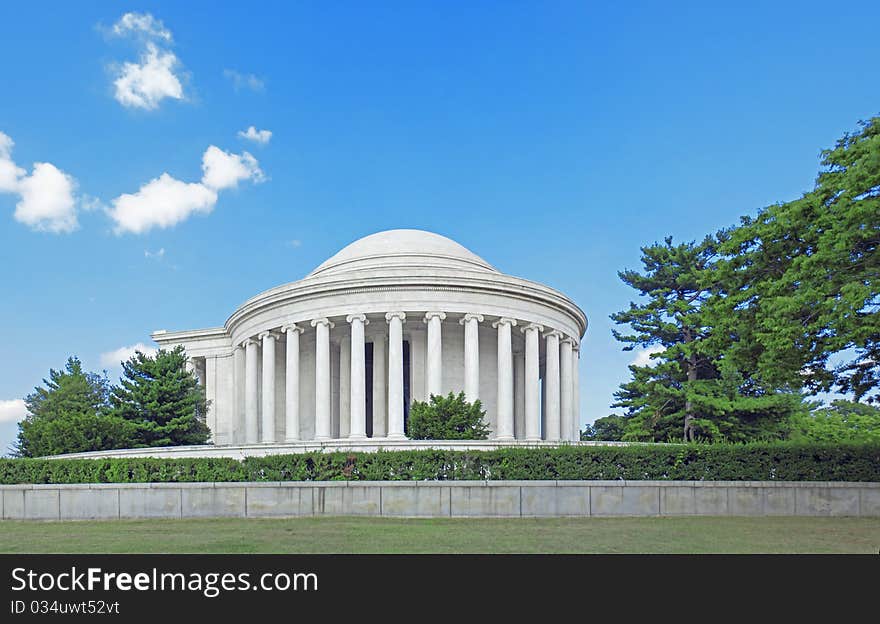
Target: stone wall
point(439, 499)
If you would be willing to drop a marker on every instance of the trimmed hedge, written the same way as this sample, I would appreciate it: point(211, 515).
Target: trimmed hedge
point(718, 462)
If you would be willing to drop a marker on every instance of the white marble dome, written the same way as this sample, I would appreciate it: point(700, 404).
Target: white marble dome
point(337, 357)
point(402, 248)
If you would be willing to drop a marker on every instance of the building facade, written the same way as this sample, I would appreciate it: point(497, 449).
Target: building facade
point(392, 318)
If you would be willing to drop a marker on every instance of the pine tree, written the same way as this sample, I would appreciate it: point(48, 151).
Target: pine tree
point(69, 414)
point(688, 387)
point(162, 398)
point(801, 281)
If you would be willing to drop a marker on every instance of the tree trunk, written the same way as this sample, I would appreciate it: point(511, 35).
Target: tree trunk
point(691, 366)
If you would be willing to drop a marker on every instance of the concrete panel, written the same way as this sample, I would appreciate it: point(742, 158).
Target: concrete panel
point(711, 501)
point(415, 501)
point(214, 502)
point(745, 501)
point(279, 501)
point(626, 500)
point(86, 504)
point(677, 501)
point(362, 501)
point(492, 501)
point(778, 501)
point(41, 504)
point(13, 504)
point(329, 500)
point(541, 501)
point(824, 501)
point(149, 503)
point(869, 503)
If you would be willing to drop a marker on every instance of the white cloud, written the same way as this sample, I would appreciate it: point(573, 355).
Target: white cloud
point(225, 170)
point(9, 171)
point(155, 254)
point(244, 81)
point(143, 24)
point(12, 411)
point(147, 83)
point(257, 136)
point(643, 357)
point(295, 242)
point(161, 202)
point(47, 201)
point(166, 201)
point(46, 196)
point(117, 356)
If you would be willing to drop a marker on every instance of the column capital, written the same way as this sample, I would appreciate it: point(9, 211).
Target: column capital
point(249, 341)
point(431, 315)
point(532, 327)
point(567, 340)
point(291, 327)
point(504, 320)
point(553, 333)
point(357, 317)
point(271, 333)
point(322, 321)
point(397, 315)
point(470, 316)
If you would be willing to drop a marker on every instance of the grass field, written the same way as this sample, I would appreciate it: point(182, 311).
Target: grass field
point(382, 535)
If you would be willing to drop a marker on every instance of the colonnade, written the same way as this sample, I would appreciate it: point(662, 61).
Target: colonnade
point(519, 380)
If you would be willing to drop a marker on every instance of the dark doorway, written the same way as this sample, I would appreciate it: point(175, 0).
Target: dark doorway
point(368, 356)
point(406, 384)
point(368, 381)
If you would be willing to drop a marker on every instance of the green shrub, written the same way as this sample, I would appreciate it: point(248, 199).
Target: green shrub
point(447, 418)
point(783, 461)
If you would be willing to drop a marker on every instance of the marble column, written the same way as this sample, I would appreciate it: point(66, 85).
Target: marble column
point(395, 374)
point(380, 403)
point(532, 382)
point(434, 361)
point(551, 385)
point(268, 407)
point(576, 391)
point(291, 383)
point(566, 403)
point(519, 397)
point(238, 426)
point(345, 387)
point(251, 392)
point(358, 377)
point(471, 324)
point(322, 377)
point(504, 422)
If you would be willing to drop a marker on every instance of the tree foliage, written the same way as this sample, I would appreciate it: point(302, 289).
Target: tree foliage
point(800, 282)
point(162, 398)
point(447, 418)
point(751, 319)
point(841, 421)
point(69, 414)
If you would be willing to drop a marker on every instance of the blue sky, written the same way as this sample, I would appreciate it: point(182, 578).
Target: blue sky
point(551, 138)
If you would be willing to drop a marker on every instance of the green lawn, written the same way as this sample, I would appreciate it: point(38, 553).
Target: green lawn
point(382, 535)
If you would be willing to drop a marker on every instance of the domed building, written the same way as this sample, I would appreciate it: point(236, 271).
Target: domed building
point(337, 358)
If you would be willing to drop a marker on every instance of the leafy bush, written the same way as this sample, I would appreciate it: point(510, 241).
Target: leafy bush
point(447, 418)
point(842, 421)
point(783, 461)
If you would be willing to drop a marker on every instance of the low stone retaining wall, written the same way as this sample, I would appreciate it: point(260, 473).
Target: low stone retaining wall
point(438, 499)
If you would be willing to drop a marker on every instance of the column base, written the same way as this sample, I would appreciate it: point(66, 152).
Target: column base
point(291, 440)
point(538, 439)
point(356, 437)
point(396, 436)
point(322, 438)
point(505, 439)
